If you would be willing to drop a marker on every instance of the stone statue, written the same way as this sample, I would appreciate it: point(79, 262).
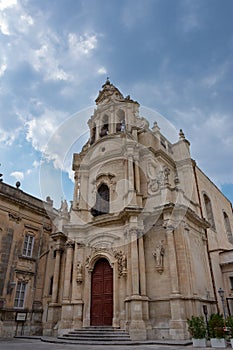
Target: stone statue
point(79, 272)
point(158, 255)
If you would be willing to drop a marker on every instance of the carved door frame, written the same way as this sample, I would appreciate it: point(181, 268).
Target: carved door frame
point(87, 292)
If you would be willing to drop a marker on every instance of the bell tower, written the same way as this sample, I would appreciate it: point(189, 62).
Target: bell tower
point(113, 184)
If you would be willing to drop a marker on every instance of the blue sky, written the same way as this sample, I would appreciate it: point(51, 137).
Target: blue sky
point(174, 57)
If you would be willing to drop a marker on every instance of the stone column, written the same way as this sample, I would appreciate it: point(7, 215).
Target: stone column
point(134, 261)
point(177, 322)
point(129, 268)
point(130, 172)
point(137, 176)
point(77, 286)
point(116, 282)
point(172, 260)
point(83, 187)
point(76, 190)
point(68, 267)
point(142, 266)
point(87, 299)
point(56, 276)
point(111, 122)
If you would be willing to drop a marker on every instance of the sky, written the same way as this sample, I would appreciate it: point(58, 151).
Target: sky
point(175, 57)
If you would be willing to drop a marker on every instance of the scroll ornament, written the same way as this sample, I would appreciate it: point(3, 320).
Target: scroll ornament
point(122, 263)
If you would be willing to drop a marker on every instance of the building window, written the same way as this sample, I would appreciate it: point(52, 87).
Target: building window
point(93, 135)
point(28, 245)
point(105, 127)
point(51, 286)
point(231, 282)
point(102, 201)
point(20, 295)
point(120, 125)
point(209, 211)
point(227, 227)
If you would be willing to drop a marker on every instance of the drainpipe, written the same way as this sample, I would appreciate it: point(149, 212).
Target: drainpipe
point(206, 236)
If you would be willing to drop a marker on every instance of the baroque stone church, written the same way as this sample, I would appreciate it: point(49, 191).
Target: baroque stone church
point(146, 243)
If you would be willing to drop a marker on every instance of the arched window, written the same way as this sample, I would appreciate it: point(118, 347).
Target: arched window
point(102, 201)
point(93, 134)
point(209, 212)
point(105, 127)
point(227, 227)
point(120, 125)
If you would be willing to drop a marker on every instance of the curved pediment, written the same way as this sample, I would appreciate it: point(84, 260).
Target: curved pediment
point(108, 93)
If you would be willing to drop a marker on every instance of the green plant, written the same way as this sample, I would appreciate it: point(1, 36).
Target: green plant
point(229, 325)
point(197, 327)
point(216, 326)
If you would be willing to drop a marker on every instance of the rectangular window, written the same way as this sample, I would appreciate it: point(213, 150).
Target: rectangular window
point(231, 282)
point(20, 295)
point(28, 245)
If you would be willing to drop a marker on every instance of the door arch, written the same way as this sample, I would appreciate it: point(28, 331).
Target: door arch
point(102, 294)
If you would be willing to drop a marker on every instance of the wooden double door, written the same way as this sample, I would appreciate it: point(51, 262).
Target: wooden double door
point(102, 294)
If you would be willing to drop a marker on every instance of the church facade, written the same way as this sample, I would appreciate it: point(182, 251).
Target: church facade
point(148, 239)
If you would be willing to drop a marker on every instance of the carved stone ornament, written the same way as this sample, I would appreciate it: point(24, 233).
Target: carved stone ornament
point(122, 263)
point(98, 252)
point(14, 217)
point(159, 255)
point(79, 272)
point(47, 227)
point(157, 176)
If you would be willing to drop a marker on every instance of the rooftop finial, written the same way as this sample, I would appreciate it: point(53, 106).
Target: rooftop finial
point(181, 134)
point(18, 184)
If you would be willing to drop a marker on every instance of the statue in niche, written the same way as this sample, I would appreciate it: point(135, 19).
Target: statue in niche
point(79, 272)
point(158, 255)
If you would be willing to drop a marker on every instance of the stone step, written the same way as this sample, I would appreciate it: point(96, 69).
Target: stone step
point(97, 334)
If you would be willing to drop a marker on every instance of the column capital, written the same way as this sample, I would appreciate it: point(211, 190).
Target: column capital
point(135, 232)
point(169, 227)
point(69, 244)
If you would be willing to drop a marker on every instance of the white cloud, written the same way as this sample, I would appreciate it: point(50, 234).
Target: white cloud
point(27, 19)
point(19, 175)
point(4, 25)
point(44, 60)
point(3, 68)
point(36, 164)
point(102, 70)
point(8, 137)
point(5, 4)
point(80, 45)
point(39, 130)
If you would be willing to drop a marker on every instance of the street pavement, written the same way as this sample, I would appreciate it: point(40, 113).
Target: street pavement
point(37, 344)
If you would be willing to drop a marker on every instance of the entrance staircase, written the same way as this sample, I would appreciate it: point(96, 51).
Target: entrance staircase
point(97, 335)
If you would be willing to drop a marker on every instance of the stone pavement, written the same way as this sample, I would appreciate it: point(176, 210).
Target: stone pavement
point(37, 344)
